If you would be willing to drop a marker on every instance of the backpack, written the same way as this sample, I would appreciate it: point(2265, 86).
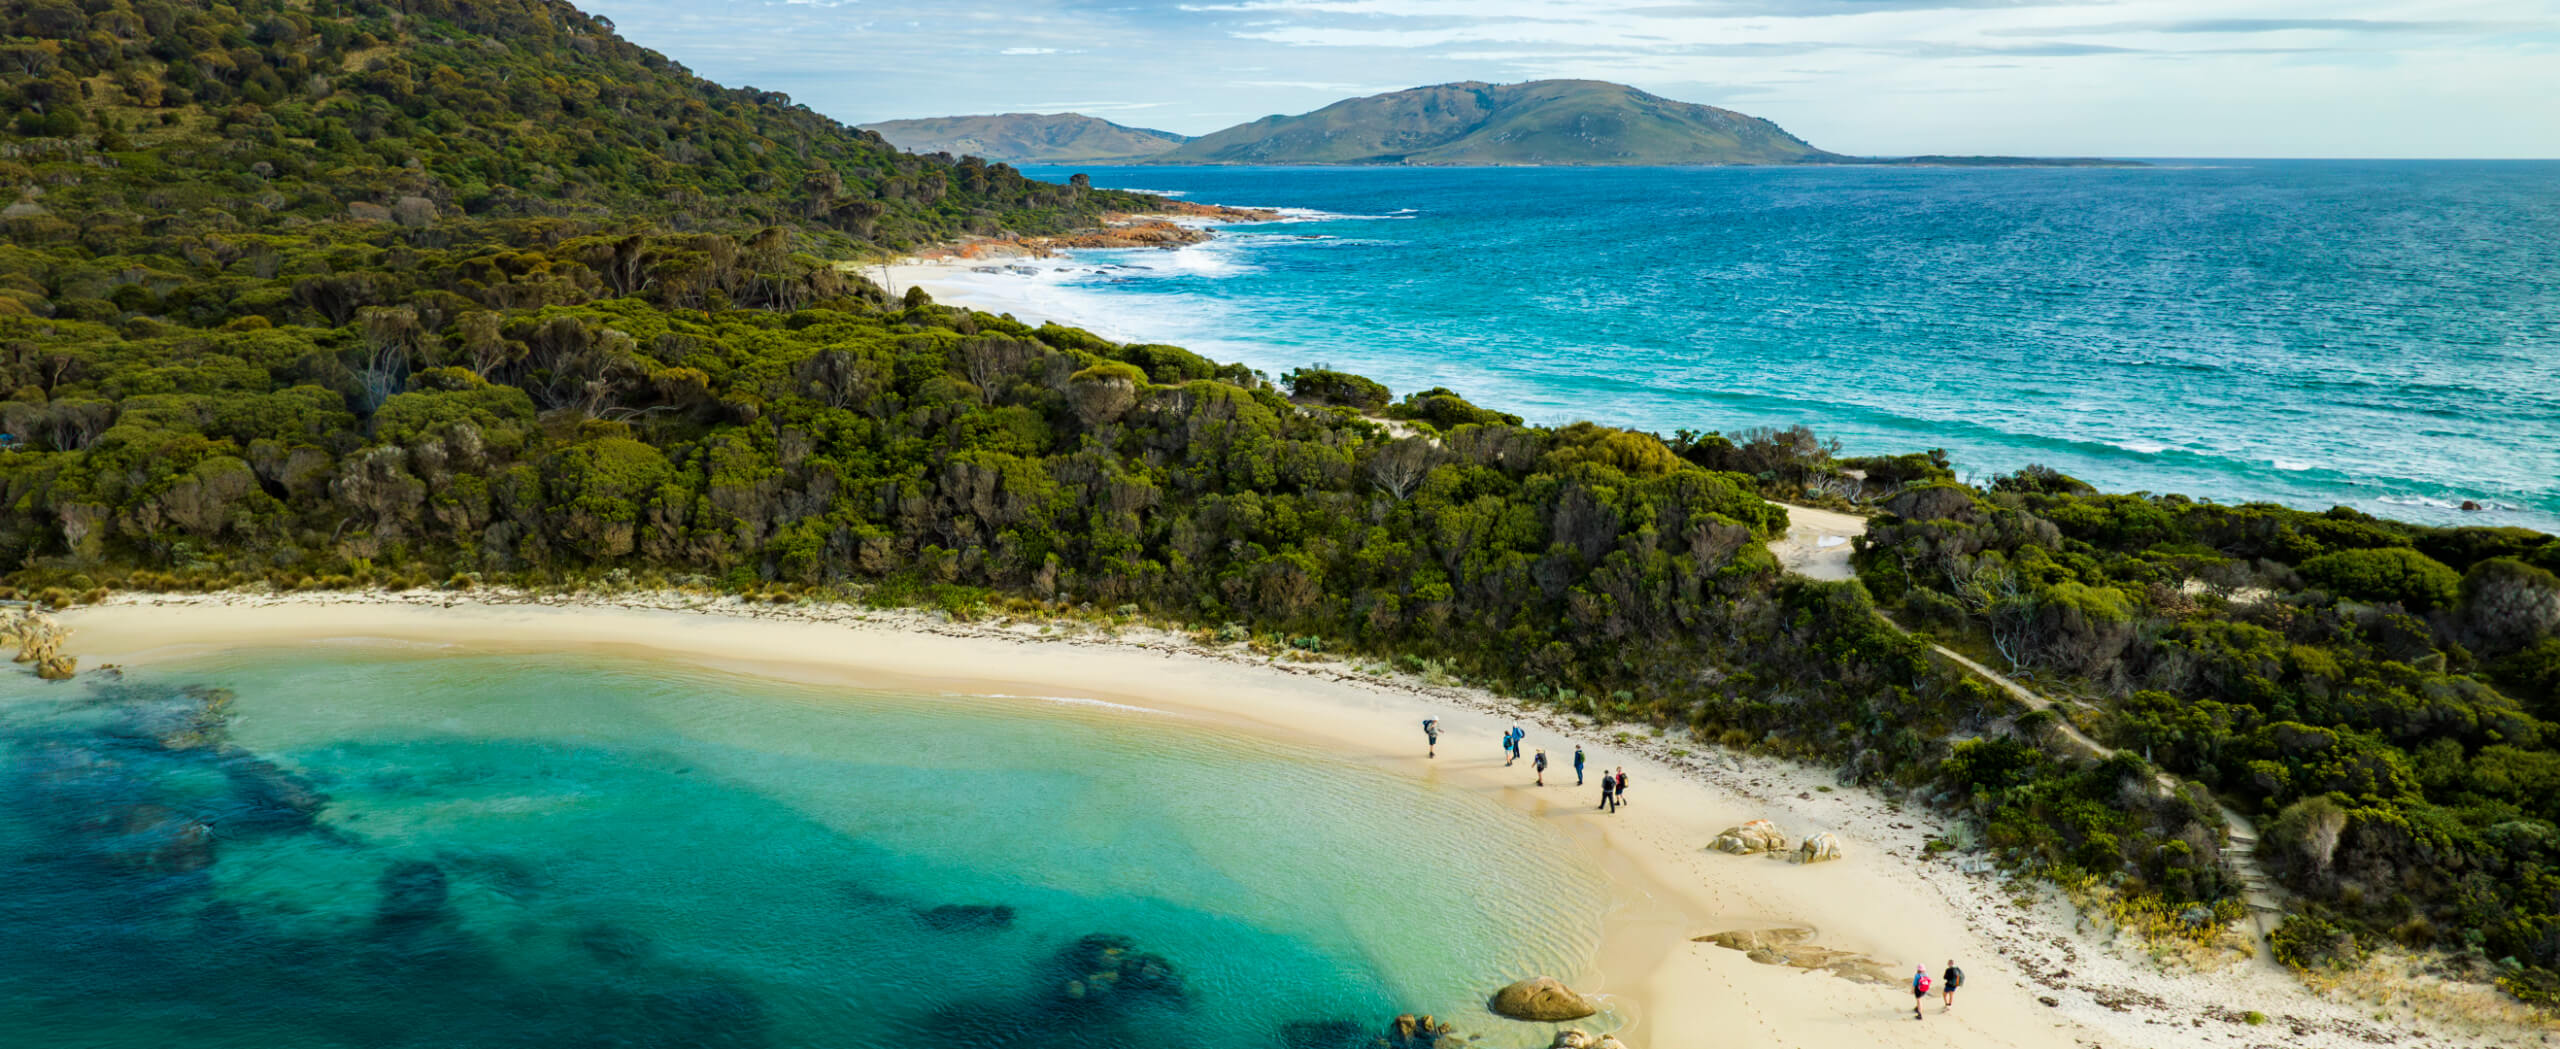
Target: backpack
point(1922, 986)
point(1955, 978)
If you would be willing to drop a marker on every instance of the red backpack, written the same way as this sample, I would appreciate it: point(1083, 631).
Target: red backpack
point(1922, 985)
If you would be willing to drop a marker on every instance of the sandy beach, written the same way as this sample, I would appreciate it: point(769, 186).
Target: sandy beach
point(2037, 975)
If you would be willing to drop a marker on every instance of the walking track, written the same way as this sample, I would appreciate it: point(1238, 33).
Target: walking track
point(1818, 544)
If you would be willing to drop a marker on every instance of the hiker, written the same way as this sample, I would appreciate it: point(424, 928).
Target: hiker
point(1577, 764)
point(1608, 793)
point(1511, 745)
point(1540, 763)
point(1431, 735)
point(1919, 990)
point(1948, 981)
point(1622, 784)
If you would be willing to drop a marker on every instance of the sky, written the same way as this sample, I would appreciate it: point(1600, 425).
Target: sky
point(2119, 78)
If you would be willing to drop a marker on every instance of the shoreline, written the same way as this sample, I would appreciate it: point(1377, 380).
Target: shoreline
point(2038, 977)
point(987, 274)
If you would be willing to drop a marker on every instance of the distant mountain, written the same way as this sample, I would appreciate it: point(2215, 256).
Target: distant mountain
point(1539, 122)
point(1028, 138)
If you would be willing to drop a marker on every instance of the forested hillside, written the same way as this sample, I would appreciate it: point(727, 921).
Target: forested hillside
point(2380, 694)
point(150, 127)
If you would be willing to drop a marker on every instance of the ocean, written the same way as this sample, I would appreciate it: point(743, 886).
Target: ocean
point(2379, 335)
point(342, 845)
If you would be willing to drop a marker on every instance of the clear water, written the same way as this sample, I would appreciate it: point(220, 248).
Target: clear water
point(427, 848)
point(2383, 335)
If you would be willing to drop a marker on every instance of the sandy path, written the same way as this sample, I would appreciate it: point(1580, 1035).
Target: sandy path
point(2033, 981)
point(1818, 542)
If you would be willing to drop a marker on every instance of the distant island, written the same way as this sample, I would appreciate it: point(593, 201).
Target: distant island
point(1029, 138)
point(1467, 124)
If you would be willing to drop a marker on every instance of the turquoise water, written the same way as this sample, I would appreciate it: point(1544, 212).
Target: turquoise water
point(380, 847)
point(2381, 335)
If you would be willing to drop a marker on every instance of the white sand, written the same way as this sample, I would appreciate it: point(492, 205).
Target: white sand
point(1884, 899)
point(1817, 543)
point(992, 285)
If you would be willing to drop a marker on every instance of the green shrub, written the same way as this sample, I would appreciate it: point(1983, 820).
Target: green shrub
point(1323, 386)
point(2394, 574)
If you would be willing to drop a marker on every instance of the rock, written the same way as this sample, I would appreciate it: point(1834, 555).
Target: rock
point(2470, 504)
point(1608, 1041)
point(191, 718)
point(1325, 1034)
point(413, 212)
point(24, 209)
point(368, 211)
point(154, 839)
point(1787, 946)
point(1418, 1032)
point(1542, 999)
point(1756, 836)
point(1818, 848)
point(57, 667)
point(1101, 967)
point(966, 917)
point(414, 893)
point(269, 796)
point(1570, 1039)
point(36, 635)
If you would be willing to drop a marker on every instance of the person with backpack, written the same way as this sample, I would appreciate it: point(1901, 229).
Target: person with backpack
point(1577, 764)
point(1511, 745)
point(1948, 981)
point(1431, 736)
point(1622, 784)
point(1608, 793)
point(1540, 763)
point(1919, 990)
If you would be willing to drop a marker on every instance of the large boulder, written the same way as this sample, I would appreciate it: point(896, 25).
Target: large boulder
point(1818, 848)
point(1542, 999)
point(57, 667)
point(1757, 836)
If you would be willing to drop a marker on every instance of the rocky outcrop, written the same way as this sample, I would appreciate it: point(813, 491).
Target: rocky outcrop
point(1574, 1039)
point(1542, 999)
point(1142, 233)
point(1789, 947)
point(1818, 848)
point(1219, 212)
point(39, 641)
point(1757, 836)
point(1419, 1032)
point(966, 917)
point(1101, 968)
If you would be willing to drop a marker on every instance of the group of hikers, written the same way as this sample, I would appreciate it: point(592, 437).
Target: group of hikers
point(1948, 981)
point(1613, 793)
point(1613, 786)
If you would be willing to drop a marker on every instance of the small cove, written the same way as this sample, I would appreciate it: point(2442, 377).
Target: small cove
point(592, 849)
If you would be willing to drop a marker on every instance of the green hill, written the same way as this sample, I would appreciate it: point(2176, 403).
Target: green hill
point(1029, 138)
point(262, 114)
point(1540, 122)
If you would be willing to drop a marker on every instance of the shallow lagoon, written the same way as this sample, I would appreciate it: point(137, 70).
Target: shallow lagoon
point(369, 845)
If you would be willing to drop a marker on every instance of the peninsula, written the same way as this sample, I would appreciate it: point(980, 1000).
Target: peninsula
point(1469, 124)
